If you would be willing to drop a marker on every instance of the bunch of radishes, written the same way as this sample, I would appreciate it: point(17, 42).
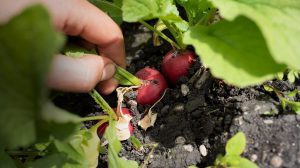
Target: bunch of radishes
point(175, 64)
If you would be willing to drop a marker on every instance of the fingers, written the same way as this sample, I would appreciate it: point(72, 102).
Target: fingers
point(80, 18)
point(80, 74)
point(107, 86)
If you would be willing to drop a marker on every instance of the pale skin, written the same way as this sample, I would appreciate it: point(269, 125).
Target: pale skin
point(79, 18)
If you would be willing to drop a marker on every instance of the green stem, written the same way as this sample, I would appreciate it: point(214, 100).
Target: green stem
point(126, 78)
point(99, 123)
point(175, 33)
point(160, 34)
point(101, 117)
point(148, 157)
point(205, 20)
point(103, 104)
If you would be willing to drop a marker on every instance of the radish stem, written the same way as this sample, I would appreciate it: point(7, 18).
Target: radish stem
point(103, 104)
point(101, 117)
point(126, 78)
point(162, 35)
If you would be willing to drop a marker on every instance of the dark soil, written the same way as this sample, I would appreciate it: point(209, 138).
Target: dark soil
point(201, 111)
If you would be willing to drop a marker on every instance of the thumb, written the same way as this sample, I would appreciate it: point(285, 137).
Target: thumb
point(79, 74)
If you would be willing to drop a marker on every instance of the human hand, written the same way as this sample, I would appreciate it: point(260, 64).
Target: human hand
point(80, 18)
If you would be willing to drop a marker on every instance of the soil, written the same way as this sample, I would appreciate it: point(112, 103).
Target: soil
point(198, 115)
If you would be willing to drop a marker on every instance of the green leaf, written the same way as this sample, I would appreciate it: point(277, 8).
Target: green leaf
point(91, 147)
point(51, 113)
point(236, 144)
point(294, 105)
point(53, 120)
point(81, 150)
point(5, 160)
point(114, 147)
point(292, 93)
point(136, 10)
point(232, 160)
point(278, 20)
point(136, 142)
point(245, 163)
point(234, 51)
point(113, 9)
point(196, 10)
point(50, 161)
point(75, 51)
point(28, 42)
point(268, 88)
point(280, 75)
point(291, 77)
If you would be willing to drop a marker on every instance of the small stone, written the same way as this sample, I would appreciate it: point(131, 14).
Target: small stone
point(180, 140)
point(184, 89)
point(178, 107)
point(253, 157)
point(268, 121)
point(298, 118)
point(188, 148)
point(276, 161)
point(203, 150)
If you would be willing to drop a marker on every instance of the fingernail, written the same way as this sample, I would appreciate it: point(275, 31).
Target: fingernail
point(108, 72)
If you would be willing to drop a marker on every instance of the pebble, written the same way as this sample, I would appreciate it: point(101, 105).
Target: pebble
point(268, 121)
point(253, 157)
point(184, 89)
point(180, 140)
point(188, 148)
point(276, 161)
point(203, 150)
point(298, 117)
point(178, 107)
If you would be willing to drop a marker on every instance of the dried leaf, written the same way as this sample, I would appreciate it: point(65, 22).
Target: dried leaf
point(148, 120)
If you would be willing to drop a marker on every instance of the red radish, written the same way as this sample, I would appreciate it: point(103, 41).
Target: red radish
point(101, 129)
point(153, 87)
point(176, 64)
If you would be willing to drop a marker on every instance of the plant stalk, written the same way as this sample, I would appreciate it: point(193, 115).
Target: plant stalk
point(176, 34)
point(162, 35)
point(126, 78)
point(101, 117)
point(103, 104)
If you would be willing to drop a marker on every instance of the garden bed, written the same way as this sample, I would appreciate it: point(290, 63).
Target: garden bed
point(198, 115)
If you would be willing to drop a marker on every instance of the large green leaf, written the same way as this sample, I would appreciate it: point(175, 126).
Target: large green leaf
point(279, 21)
point(50, 161)
point(235, 51)
point(135, 10)
point(113, 9)
point(236, 145)
point(81, 150)
point(196, 10)
point(5, 160)
point(114, 147)
point(27, 43)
